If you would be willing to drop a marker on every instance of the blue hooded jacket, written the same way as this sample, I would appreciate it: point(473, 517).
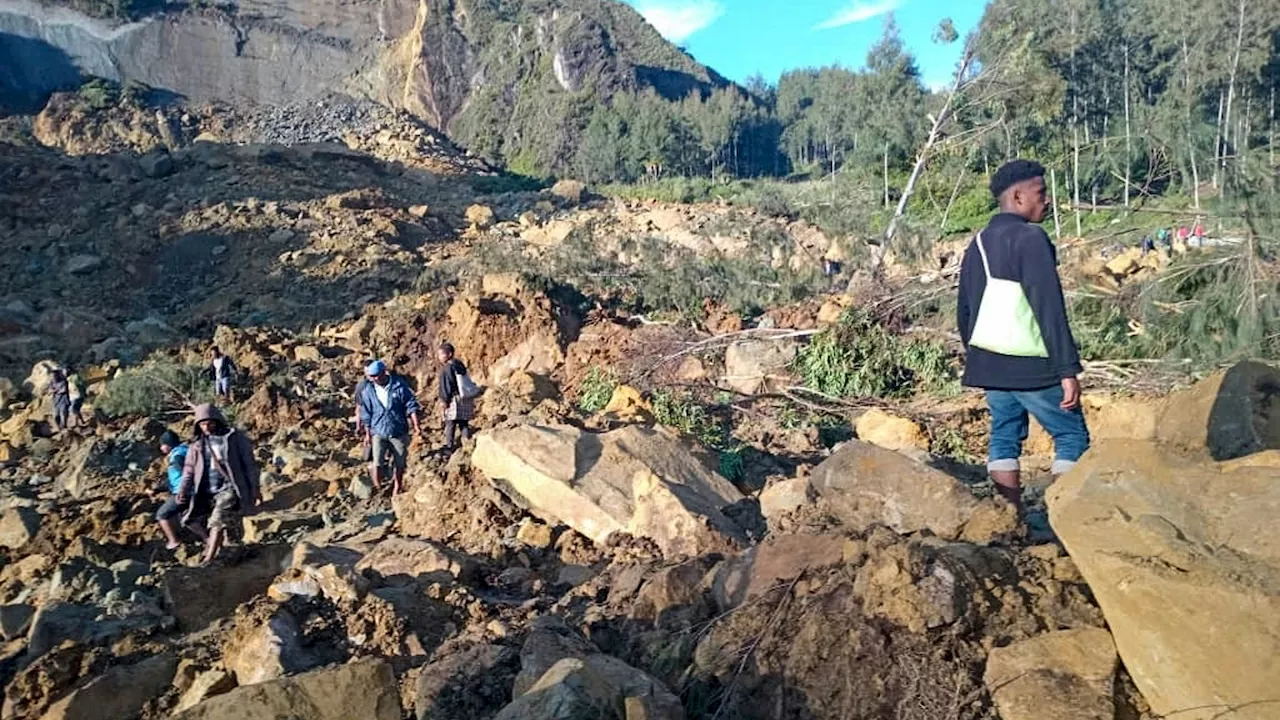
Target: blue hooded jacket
point(176, 460)
point(391, 421)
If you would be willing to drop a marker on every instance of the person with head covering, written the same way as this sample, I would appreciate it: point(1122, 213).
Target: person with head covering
point(1012, 318)
point(175, 452)
point(219, 471)
point(459, 407)
point(388, 410)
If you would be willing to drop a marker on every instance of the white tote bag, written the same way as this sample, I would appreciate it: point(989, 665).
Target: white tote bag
point(1006, 323)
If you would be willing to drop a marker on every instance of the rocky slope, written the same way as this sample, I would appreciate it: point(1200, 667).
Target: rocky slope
point(485, 71)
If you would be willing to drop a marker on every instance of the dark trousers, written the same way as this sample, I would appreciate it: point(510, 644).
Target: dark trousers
point(450, 431)
point(61, 410)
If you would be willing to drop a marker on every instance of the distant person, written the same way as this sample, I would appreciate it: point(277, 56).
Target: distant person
point(1183, 233)
point(1197, 235)
point(457, 396)
point(60, 389)
point(222, 370)
point(1013, 321)
point(1148, 245)
point(75, 393)
point(175, 453)
point(221, 474)
point(388, 409)
point(1165, 238)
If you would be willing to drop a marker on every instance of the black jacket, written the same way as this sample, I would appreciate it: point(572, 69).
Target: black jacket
point(1017, 250)
point(449, 381)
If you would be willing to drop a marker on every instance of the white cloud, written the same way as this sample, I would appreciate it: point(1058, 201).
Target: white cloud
point(677, 20)
point(858, 12)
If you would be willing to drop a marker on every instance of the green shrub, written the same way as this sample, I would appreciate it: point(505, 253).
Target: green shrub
point(153, 389)
point(99, 94)
point(859, 357)
point(596, 390)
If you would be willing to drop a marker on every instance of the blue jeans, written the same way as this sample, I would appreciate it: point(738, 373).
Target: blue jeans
point(1010, 424)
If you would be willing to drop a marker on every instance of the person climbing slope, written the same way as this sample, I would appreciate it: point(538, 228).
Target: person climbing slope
point(457, 396)
point(223, 371)
point(175, 452)
point(220, 467)
point(1013, 321)
point(388, 408)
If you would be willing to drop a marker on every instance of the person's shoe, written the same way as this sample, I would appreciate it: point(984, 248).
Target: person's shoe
point(172, 546)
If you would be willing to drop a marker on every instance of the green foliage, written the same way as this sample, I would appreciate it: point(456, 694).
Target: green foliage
point(596, 390)
point(733, 464)
point(683, 413)
point(99, 94)
point(154, 388)
point(859, 357)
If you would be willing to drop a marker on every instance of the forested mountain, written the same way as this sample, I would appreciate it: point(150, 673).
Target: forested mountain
point(1127, 96)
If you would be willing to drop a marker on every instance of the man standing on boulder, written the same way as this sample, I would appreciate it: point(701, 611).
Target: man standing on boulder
point(1013, 321)
point(220, 468)
point(387, 409)
point(223, 371)
point(60, 389)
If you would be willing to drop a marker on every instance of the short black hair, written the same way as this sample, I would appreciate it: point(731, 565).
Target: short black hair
point(447, 347)
point(170, 438)
point(1014, 172)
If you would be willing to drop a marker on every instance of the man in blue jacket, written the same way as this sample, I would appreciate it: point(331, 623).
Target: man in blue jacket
point(1045, 384)
point(387, 409)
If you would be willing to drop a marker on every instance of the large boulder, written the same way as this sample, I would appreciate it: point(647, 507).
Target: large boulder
point(321, 570)
point(18, 526)
point(466, 683)
point(564, 677)
point(752, 366)
point(599, 687)
point(635, 480)
point(1229, 415)
point(1184, 560)
point(771, 565)
point(119, 693)
point(867, 485)
point(365, 689)
point(402, 559)
point(198, 596)
point(1066, 675)
point(259, 651)
point(892, 432)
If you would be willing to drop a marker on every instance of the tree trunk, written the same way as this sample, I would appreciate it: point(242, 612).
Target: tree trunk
point(1191, 141)
point(886, 176)
point(935, 132)
point(1128, 140)
point(1075, 124)
point(1271, 129)
point(954, 191)
point(1218, 151)
point(1231, 83)
point(1053, 189)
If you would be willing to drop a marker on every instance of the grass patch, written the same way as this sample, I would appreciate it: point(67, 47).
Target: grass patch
point(859, 357)
point(596, 390)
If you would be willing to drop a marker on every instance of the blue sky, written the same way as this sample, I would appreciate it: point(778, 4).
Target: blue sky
point(741, 37)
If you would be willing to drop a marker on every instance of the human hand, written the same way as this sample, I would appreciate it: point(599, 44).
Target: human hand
point(1070, 393)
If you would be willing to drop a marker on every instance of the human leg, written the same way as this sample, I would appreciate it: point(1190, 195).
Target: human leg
point(1009, 428)
point(465, 425)
point(1067, 427)
point(225, 505)
point(165, 517)
point(399, 460)
point(450, 433)
point(380, 448)
point(61, 409)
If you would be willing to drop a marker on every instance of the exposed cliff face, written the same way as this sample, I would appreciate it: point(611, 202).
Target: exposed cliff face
point(480, 69)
